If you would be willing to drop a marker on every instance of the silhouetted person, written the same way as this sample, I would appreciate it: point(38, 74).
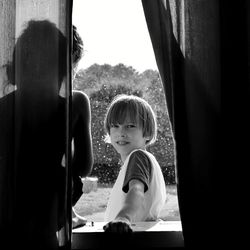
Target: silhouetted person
point(33, 138)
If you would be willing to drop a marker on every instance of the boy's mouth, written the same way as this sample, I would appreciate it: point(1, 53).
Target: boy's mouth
point(122, 142)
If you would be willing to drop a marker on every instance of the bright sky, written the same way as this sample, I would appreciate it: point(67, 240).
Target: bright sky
point(114, 31)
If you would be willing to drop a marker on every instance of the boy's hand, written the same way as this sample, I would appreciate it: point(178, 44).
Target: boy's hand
point(133, 205)
point(119, 225)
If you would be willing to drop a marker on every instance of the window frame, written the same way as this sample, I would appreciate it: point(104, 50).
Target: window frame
point(169, 238)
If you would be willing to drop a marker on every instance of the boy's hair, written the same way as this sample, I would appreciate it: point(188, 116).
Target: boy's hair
point(77, 46)
point(137, 110)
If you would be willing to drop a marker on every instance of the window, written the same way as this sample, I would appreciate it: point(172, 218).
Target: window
point(119, 59)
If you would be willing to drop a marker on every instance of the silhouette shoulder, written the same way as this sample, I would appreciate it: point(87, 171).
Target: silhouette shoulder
point(80, 99)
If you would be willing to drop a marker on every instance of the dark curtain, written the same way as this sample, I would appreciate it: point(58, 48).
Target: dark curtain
point(35, 125)
point(200, 46)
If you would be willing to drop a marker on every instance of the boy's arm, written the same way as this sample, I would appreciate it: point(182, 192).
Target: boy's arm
point(83, 149)
point(133, 205)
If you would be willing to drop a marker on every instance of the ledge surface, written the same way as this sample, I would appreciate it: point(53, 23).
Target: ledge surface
point(146, 235)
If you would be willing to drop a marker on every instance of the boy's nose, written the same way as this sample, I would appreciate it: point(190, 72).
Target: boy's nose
point(123, 132)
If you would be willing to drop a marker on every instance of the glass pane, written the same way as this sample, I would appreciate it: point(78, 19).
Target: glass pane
point(33, 123)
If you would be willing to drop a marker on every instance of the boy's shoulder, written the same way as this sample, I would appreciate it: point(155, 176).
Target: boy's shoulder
point(79, 95)
point(140, 154)
point(80, 98)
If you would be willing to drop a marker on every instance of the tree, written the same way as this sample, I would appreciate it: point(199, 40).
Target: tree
point(102, 83)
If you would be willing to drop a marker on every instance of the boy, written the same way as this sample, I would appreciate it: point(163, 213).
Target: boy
point(139, 192)
point(80, 101)
point(86, 145)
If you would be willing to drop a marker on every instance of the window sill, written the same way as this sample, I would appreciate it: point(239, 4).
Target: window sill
point(146, 235)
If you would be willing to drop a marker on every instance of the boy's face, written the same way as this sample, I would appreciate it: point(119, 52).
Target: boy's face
point(126, 137)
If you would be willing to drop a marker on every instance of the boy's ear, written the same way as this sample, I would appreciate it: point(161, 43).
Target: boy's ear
point(147, 138)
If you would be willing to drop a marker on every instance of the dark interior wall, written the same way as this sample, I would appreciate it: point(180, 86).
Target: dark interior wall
point(235, 28)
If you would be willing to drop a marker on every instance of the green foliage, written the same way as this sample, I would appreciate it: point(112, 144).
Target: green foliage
point(102, 83)
point(106, 173)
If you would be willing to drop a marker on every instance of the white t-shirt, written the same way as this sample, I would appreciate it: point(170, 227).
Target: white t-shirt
point(155, 196)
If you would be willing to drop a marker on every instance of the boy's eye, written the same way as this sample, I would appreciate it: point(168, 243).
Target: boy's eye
point(131, 126)
point(114, 125)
